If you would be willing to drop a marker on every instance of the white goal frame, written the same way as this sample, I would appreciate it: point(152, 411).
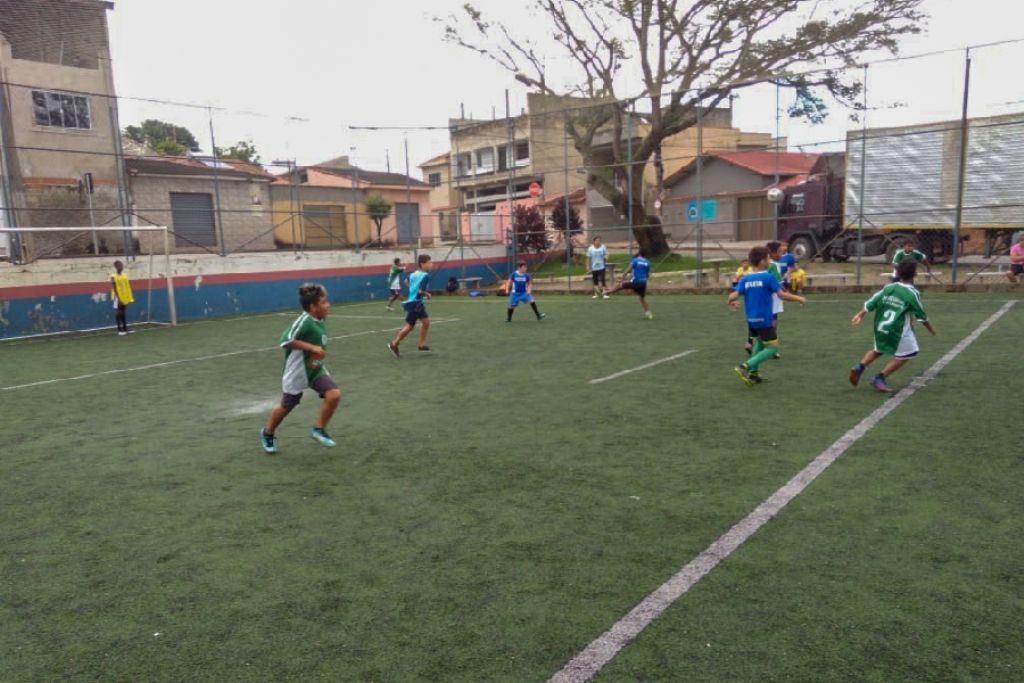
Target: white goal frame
point(168, 275)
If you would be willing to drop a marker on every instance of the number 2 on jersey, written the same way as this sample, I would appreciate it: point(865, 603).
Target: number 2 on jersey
point(888, 318)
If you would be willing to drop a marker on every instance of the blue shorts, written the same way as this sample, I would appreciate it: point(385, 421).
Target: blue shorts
point(516, 299)
point(414, 310)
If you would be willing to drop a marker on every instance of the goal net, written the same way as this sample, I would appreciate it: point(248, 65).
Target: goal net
point(69, 295)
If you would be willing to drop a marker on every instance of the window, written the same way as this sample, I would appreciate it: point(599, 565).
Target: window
point(61, 110)
point(797, 202)
point(485, 160)
point(522, 152)
point(503, 158)
point(465, 165)
point(434, 179)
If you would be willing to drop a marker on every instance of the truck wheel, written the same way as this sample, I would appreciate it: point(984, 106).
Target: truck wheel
point(802, 247)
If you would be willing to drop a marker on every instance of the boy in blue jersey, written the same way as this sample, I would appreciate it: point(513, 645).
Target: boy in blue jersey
point(758, 290)
point(639, 270)
point(520, 291)
point(415, 308)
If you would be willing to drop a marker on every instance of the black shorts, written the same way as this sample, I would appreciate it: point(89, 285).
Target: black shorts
point(414, 310)
point(1017, 268)
point(640, 288)
point(765, 334)
point(598, 276)
point(321, 385)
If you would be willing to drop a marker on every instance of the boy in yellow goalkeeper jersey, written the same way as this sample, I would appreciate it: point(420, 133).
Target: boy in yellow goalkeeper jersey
point(121, 293)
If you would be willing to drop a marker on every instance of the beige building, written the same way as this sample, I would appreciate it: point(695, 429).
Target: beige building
point(211, 206)
point(58, 121)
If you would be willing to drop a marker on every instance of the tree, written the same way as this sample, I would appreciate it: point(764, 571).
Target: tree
point(162, 137)
point(378, 209)
point(243, 150)
point(558, 222)
point(529, 230)
point(688, 55)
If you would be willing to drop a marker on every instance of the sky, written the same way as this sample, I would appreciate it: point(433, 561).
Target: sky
point(296, 77)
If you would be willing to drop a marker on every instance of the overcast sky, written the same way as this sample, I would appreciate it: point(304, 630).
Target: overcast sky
point(294, 76)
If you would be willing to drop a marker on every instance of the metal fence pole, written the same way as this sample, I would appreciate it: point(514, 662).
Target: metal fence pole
point(863, 174)
point(565, 171)
point(962, 179)
point(216, 185)
point(629, 172)
point(699, 276)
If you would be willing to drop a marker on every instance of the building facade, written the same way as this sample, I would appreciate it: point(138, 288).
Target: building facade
point(58, 123)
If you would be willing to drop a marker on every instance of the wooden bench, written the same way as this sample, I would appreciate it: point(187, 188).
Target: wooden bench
point(465, 282)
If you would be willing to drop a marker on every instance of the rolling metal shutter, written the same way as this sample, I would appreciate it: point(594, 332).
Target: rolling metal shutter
point(193, 220)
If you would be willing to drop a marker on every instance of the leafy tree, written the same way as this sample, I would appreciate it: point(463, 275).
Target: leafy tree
point(243, 150)
point(160, 135)
point(558, 223)
point(378, 209)
point(529, 229)
point(687, 55)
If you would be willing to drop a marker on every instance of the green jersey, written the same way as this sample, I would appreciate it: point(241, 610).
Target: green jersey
point(773, 268)
point(395, 277)
point(894, 306)
point(901, 255)
point(300, 369)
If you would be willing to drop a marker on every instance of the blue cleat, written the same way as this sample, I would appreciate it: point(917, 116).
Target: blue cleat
point(879, 384)
point(268, 441)
point(322, 436)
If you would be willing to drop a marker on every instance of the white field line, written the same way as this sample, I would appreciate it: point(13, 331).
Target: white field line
point(599, 652)
point(194, 359)
point(642, 367)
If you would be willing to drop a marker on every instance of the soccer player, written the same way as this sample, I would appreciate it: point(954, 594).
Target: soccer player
point(640, 270)
point(121, 293)
point(395, 282)
point(895, 306)
point(901, 255)
point(520, 291)
point(303, 343)
point(415, 308)
point(797, 279)
point(597, 255)
point(744, 269)
point(758, 289)
point(1016, 258)
point(777, 268)
point(787, 262)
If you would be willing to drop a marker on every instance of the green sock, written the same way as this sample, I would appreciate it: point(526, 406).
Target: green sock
point(766, 353)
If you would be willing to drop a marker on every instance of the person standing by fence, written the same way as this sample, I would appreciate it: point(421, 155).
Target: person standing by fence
point(121, 293)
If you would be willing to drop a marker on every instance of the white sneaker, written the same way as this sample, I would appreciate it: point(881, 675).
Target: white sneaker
point(594, 297)
point(389, 308)
point(122, 333)
point(605, 296)
point(649, 315)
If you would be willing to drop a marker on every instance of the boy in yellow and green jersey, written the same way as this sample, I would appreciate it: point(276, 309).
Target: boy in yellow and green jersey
point(895, 307)
point(121, 293)
point(395, 282)
point(303, 343)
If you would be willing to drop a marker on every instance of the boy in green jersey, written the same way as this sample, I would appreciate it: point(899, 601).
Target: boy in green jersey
point(303, 343)
point(905, 253)
point(395, 282)
point(895, 306)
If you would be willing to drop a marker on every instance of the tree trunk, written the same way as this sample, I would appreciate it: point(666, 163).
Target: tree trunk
point(649, 233)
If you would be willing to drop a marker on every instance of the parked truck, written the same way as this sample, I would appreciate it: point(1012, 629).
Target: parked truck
point(906, 187)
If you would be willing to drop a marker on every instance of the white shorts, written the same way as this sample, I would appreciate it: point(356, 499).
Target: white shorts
point(776, 304)
point(908, 347)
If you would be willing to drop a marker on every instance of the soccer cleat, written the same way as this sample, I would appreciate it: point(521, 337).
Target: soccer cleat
point(321, 436)
point(423, 348)
point(880, 385)
point(268, 441)
point(648, 315)
point(744, 374)
point(389, 308)
point(594, 297)
point(855, 373)
point(605, 296)
point(749, 348)
point(122, 333)
point(393, 348)
point(541, 317)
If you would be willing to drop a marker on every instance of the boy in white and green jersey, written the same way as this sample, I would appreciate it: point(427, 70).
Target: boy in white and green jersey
point(905, 253)
point(303, 343)
point(895, 306)
point(395, 282)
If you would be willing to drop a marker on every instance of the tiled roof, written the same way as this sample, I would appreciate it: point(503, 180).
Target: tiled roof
point(372, 177)
point(194, 167)
point(763, 162)
point(438, 160)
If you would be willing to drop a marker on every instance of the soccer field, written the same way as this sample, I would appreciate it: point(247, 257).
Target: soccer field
point(490, 511)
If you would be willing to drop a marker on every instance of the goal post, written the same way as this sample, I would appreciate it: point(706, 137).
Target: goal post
point(160, 245)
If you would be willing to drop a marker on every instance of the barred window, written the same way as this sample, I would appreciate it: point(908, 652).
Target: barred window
point(61, 110)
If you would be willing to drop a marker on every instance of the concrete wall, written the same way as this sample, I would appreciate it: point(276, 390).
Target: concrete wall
point(66, 295)
point(245, 210)
point(358, 228)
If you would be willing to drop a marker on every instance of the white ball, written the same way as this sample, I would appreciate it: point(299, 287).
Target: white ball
point(775, 195)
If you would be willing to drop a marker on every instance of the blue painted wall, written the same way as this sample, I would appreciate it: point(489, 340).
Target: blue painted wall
point(64, 313)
